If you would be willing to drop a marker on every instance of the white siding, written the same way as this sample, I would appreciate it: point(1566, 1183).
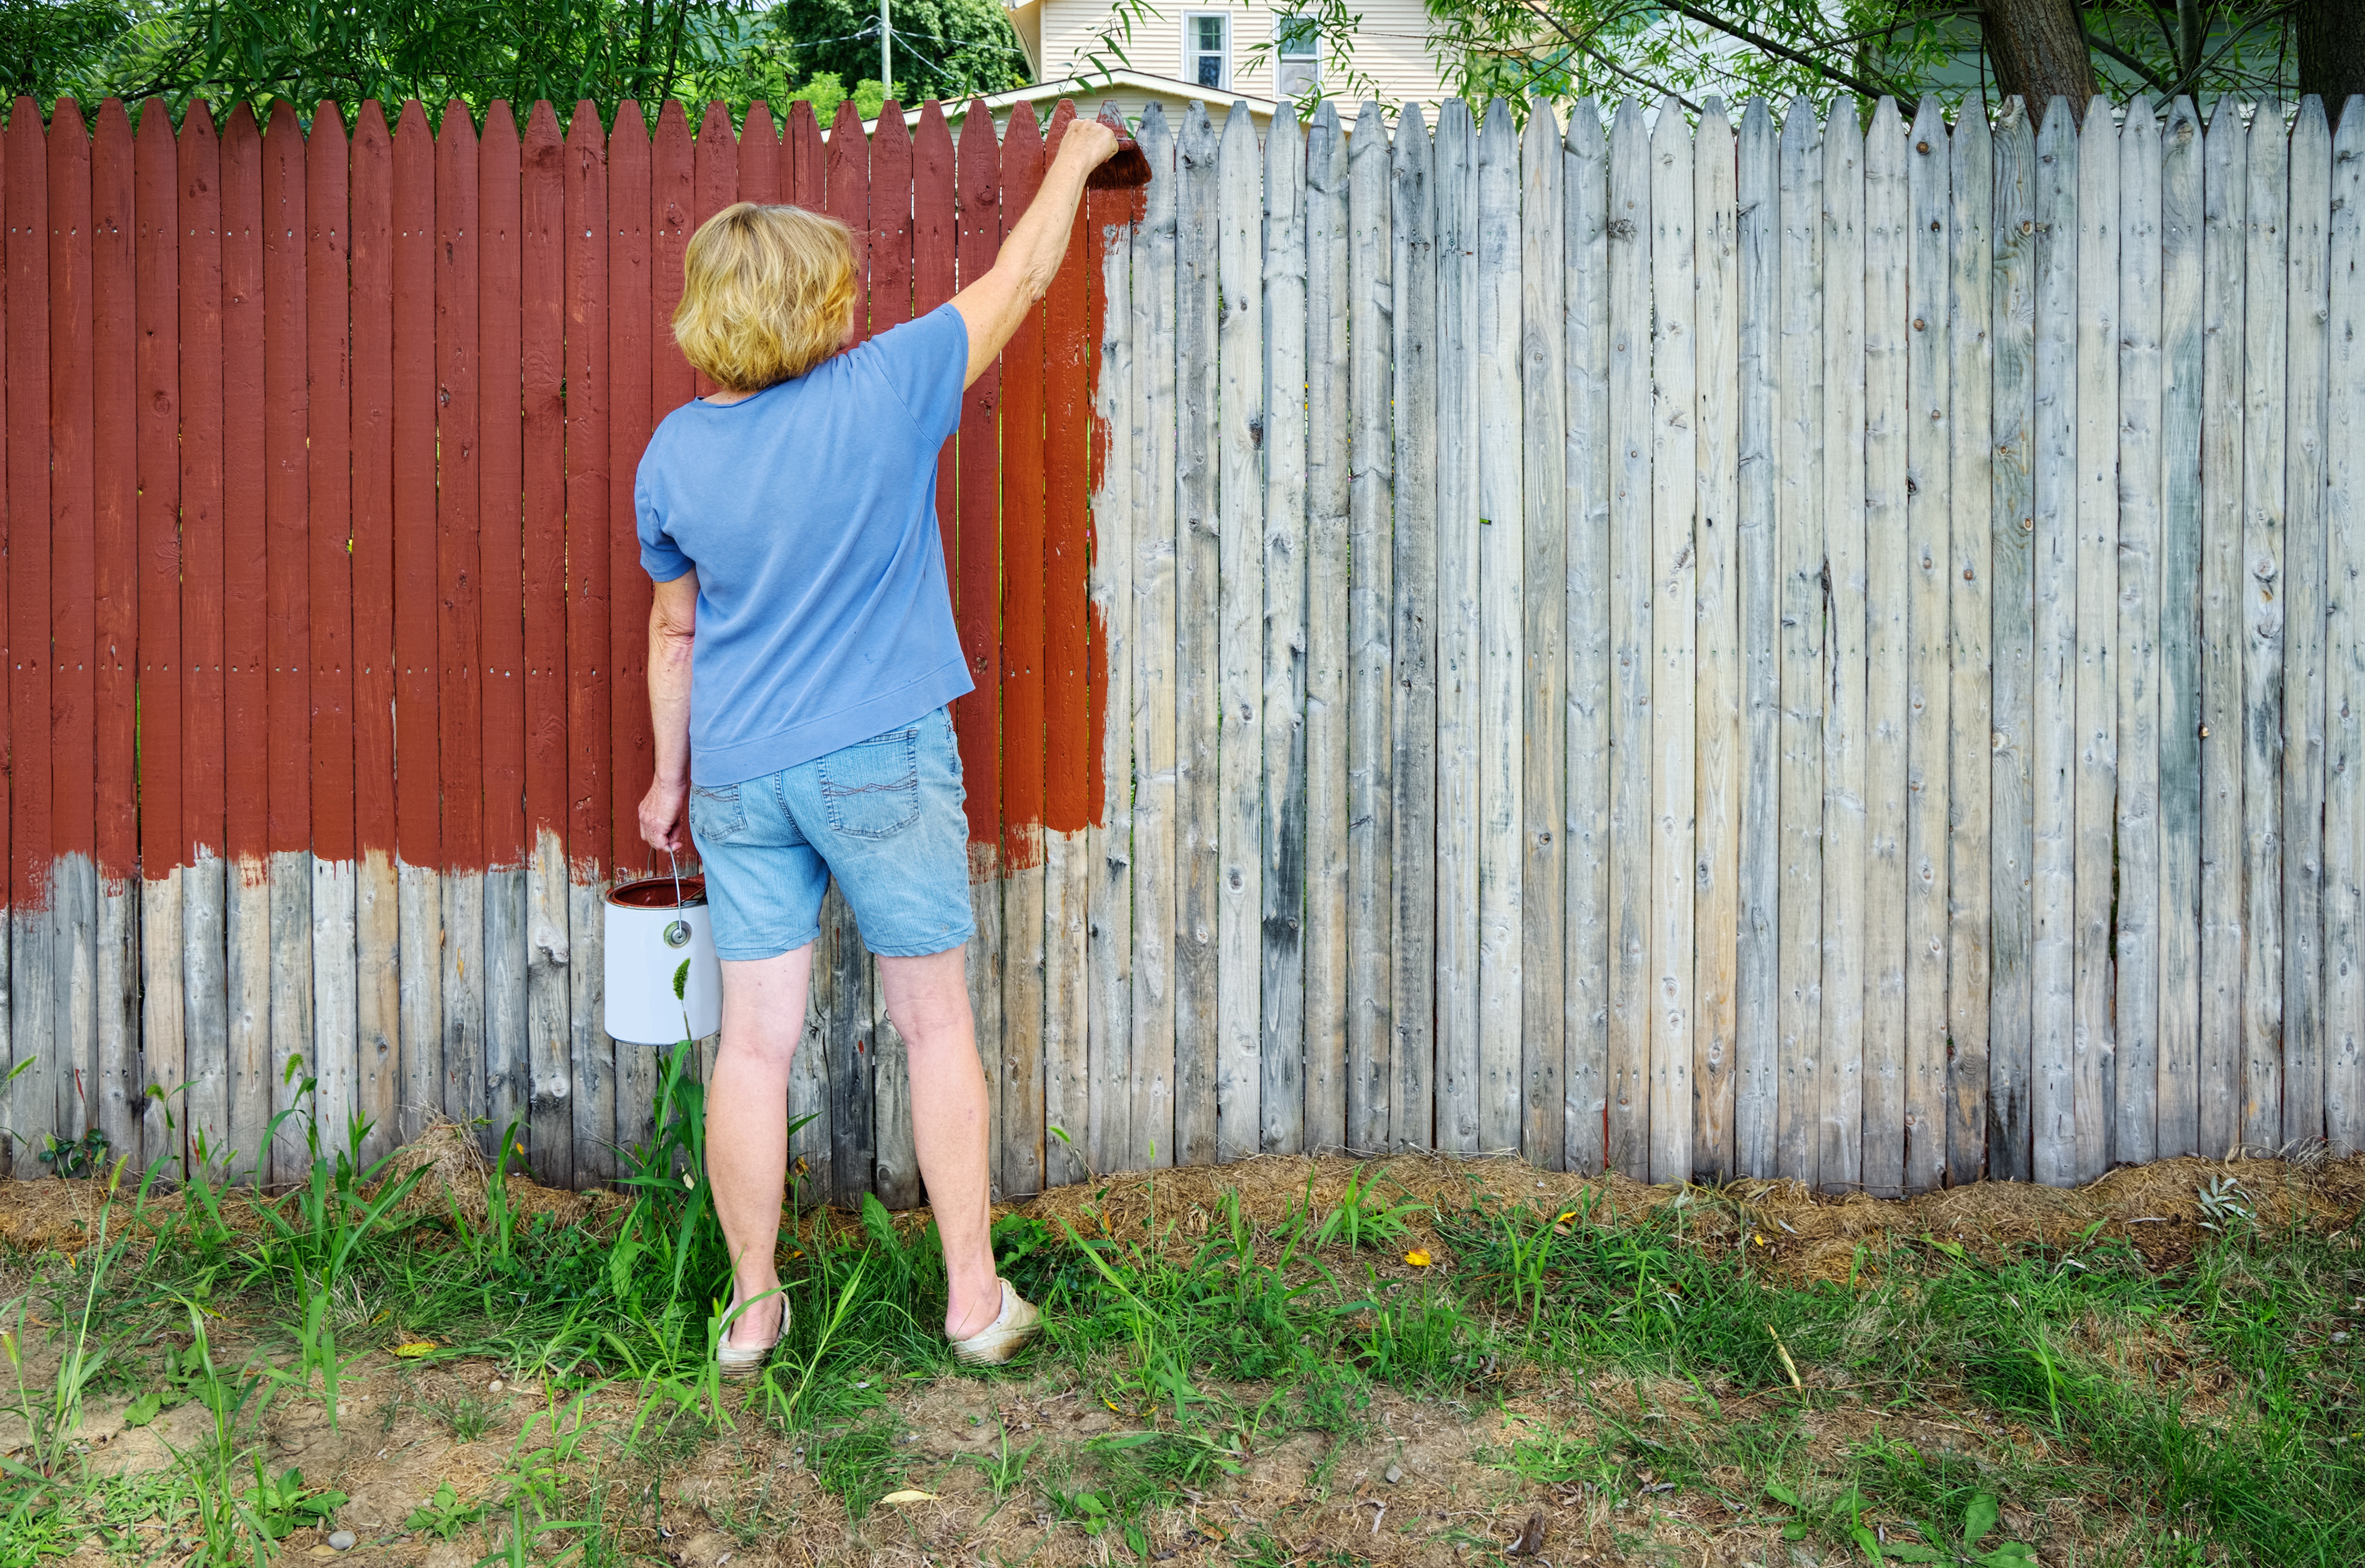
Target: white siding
point(1390, 47)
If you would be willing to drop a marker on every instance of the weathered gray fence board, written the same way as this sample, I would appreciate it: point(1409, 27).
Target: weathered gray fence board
point(1326, 487)
point(1241, 415)
point(1502, 515)
point(1412, 729)
point(2178, 1130)
point(1458, 630)
point(1584, 240)
point(1799, 525)
point(1631, 605)
point(2096, 502)
point(1543, 670)
point(2224, 603)
point(1108, 916)
point(2305, 597)
point(1283, 1001)
point(1198, 868)
point(1717, 758)
point(1970, 349)
point(2265, 330)
point(2344, 796)
point(2136, 929)
point(1757, 950)
point(1371, 868)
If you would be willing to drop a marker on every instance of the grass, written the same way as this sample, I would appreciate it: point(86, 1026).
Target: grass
point(1633, 1368)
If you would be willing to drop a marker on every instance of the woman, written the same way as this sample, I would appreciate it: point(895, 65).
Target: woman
point(802, 653)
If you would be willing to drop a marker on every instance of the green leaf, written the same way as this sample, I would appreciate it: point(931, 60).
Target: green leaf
point(1978, 1519)
point(2012, 1554)
point(145, 1408)
point(1795, 1530)
point(1782, 1494)
point(1906, 1553)
point(1866, 1539)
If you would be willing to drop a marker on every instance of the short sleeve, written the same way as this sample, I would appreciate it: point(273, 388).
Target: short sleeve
point(660, 556)
point(924, 362)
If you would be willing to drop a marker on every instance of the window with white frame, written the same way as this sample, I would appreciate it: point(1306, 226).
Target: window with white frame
point(1207, 50)
point(1298, 58)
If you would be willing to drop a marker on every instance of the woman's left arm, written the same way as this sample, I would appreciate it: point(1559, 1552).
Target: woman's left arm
point(673, 621)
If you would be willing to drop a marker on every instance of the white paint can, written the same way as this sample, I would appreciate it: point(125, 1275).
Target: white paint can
point(653, 926)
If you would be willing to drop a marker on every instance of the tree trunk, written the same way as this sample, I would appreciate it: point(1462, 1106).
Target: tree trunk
point(2039, 50)
point(2331, 50)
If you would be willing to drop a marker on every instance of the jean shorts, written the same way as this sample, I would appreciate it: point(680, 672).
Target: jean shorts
point(883, 816)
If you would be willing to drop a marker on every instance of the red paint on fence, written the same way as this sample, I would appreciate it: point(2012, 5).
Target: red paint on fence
point(246, 710)
point(1022, 534)
point(760, 157)
point(114, 403)
point(161, 846)
point(847, 197)
point(802, 158)
point(418, 839)
point(330, 629)
point(936, 225)
point(201, 481)
point(542, 228)
point(73, 571)
point(373, 519)
point(458, 512)
point(633, 228)
point(287, 488)
point(500, 457)
point(977, 583)
point(590, 673)
point(1069, 742)
point(28, 509)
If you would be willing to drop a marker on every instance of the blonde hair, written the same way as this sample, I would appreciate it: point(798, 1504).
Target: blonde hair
point(765, 296)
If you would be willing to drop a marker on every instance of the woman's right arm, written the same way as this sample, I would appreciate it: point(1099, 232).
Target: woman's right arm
point(673, 625)
point(992, 307)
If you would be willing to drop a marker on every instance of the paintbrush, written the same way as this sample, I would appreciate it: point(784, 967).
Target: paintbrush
point(1125, 168)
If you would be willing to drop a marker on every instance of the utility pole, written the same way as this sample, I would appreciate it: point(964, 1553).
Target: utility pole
point(886, 50)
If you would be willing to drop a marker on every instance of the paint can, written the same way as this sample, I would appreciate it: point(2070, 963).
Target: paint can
point(654, 925)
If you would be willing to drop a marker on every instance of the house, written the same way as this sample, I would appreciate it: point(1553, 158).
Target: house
point(1176, 52)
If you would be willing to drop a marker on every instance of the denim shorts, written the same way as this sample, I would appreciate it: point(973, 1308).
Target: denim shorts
point(883, 816)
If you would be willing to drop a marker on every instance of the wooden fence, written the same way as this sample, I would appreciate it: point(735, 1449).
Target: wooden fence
point(1821, 649)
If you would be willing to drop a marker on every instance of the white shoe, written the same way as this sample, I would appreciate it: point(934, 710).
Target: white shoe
point(1005, 1336)
point(738, 1361)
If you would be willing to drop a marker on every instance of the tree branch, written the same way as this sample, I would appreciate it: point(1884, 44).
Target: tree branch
point(1780, 52)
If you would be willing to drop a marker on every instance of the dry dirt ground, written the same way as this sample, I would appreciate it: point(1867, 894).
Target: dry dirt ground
point(756, 1499)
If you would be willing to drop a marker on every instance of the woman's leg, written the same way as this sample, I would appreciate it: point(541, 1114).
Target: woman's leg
point(747, 1125)
point(927, 999)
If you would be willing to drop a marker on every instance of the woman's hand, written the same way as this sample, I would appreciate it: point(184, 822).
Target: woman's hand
point(665, 812)
point(1088, 142)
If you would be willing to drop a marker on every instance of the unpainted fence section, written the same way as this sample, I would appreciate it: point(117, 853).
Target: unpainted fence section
point(1787, 646)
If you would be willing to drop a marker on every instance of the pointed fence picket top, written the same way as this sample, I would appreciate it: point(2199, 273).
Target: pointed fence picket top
point(1778, 644)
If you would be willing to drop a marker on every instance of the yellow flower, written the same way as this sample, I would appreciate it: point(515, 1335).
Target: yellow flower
point(413, 1347)
point(1418, 1259)
point(1563, 1217)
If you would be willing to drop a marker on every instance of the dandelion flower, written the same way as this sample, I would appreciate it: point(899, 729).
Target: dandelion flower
point(1418, 1257)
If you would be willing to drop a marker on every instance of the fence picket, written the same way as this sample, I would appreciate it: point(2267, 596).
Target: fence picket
point(118, 1092)
point(1544, 718)
point(1502, 513)
point(246, 904)
point(1197, 720)
point(501, 225)
point(163, 1062)
point(1458, 1001)
point(2140, 466)
point(1412, 727)
point(1756, 1004)
point(1025, 788)
point(2093, 1034)
point(2224, 219)
point(2344, 797)
point(1585, 470)
point(2179, 1128)
point(459, 701)
point(1370, 872)
point(1798, 557)
point(1283, 828)
point(1928, 330)
point(2304, 598)
point(1888, 910)
point(1328, 565)
point(72, 724)
point(1632, 602)
point(1244, 415)
point(1150, 1119)
point(1970, 352)
point(2265, 360)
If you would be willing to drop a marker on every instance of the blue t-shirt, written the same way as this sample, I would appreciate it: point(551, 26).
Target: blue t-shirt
point(808, 511)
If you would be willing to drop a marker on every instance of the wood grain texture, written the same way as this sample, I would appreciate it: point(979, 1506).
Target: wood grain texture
point(1242, 415)
point(1025, 795)
point(2305, 595)
point(1930, 747)
point(1281, 835)
point(1109, 915)
point(1674, 576)
point(2344, 799)
point(163, 1062)
point(2011, 651)
point(38, 1095)
point(2053, 641)
point(1412, 724)
point(500, 222)
point(1632, 603)
point(1754, 1068)
point(1798, 558)
point(1971, 357)
point(1847, 913)
point(74, 594)
point(1198, 576)
point(2136, 929)
point(977, 584)
point(1585, 480)
point(459, 618)
point(1502, 514)
point(2265, 425)
point(1458, 1005)
point(1543, 668)
point(1328, 565)
point(1371, 590)
point(2179, 1128)
point(1155, 553)
point(589, 694)
point(246, 905)
point(2093, 1037)
point(2224, 604)
point(118, 1092)
point(418, 843)
point(1887, 735)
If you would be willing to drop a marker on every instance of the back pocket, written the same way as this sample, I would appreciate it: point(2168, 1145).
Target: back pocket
point(716, 815)
point(871, 790)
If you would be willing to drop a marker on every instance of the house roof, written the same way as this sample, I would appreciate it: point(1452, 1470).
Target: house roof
point(1129, 89)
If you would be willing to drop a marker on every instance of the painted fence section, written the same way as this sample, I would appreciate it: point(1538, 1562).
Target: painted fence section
point(1788, 646)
